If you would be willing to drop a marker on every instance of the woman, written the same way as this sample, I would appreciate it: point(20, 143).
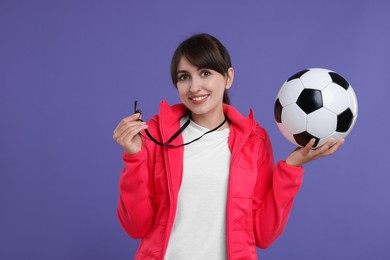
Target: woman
point(199, 180)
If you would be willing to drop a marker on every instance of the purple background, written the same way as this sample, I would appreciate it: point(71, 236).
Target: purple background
point(70, 70)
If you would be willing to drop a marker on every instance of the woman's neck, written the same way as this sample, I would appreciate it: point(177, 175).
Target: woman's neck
point(210, 121)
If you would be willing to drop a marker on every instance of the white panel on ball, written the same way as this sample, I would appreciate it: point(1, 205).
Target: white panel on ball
point(290, 91)
point(316, 79)
point(335, 98)
point(321, 123)
point(352, 101)
point(286, 134)
point(294, 119)
point(335, 135)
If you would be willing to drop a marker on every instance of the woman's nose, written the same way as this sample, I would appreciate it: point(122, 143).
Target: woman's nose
point(196, 85)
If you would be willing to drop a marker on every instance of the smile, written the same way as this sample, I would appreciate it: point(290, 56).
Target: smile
point(199, 98)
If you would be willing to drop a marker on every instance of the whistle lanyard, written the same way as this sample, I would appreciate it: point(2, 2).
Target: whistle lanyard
point(174, 136)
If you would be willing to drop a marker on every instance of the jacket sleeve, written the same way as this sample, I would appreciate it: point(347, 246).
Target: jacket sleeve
point(274, 195)
point(135, 207)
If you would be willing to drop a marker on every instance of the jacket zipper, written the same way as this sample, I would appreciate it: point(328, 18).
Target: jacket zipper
point(228, 203)
point(228, 216)
point(170, 217)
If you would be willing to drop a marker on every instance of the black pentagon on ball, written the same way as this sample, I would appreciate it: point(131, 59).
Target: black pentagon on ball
point(297, 75)
point(344, 121)
point(336, 78)
point(303, 138)
point(278, 111)
point(310, 100)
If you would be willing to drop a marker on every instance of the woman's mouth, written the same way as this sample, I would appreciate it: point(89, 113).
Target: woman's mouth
point(198, 99)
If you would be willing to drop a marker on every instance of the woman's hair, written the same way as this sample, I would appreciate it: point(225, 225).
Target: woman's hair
point(203, 51)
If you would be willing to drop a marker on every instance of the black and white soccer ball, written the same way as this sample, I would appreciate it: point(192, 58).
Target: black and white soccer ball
point(315, 103)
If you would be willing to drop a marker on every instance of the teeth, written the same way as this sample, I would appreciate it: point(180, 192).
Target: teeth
point(199, 98)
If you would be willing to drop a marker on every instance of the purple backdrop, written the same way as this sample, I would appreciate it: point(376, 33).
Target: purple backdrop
point(70, 70)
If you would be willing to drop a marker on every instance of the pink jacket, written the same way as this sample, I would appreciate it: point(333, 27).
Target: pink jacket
point(259, 200)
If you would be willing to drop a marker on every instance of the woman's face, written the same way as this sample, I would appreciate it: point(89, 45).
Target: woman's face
point(201, 90)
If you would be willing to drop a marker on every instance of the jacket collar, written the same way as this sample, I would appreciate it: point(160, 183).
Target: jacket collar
point(169, 118)
point(243, 124)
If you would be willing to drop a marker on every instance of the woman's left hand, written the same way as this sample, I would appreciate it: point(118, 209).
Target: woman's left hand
point(306, 154)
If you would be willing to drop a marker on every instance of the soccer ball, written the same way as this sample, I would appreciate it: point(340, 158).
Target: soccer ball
point(315, 103)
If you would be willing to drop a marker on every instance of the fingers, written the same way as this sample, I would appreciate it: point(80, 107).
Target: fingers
point(129, 130)
point(307, 153)
point(329, 148)
point(128, 120)
point(308, 147)
point(133, 117)
point(128, 135)
point(301, 155)
point(333, 147)
point(325, 147)
point(129, 125)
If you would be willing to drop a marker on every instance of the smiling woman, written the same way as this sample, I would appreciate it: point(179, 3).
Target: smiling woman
point(202, 51)
point(202, 91)
point(216, 197)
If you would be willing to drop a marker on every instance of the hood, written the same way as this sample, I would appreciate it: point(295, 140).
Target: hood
point(169, 118)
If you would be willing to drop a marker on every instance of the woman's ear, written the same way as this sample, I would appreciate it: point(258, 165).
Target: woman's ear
point(229, 77)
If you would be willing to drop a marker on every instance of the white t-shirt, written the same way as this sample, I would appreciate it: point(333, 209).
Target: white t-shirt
point(199, 230)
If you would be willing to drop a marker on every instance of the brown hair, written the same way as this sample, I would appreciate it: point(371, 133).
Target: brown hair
point(203, 51)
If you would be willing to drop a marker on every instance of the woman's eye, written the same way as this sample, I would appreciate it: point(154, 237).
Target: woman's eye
point(206, 73)
point(183, 77)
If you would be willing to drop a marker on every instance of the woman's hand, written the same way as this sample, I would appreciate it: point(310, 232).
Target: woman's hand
point(306, 154)
point(126, 134)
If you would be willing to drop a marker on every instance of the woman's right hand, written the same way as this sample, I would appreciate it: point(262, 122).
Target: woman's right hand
point(126, 134)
